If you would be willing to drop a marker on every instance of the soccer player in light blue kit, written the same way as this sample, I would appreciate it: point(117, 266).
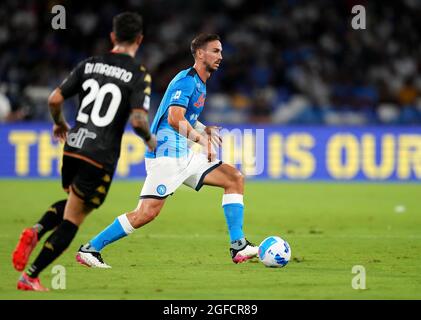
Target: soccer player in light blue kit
point(172, 163)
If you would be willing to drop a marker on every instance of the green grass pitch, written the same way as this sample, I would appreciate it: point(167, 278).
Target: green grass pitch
point(183, 254)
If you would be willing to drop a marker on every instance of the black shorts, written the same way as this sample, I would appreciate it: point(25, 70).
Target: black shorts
point(88, 182)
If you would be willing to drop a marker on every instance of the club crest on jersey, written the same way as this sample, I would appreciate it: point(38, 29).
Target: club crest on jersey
point(161, 189)
point(77, 139)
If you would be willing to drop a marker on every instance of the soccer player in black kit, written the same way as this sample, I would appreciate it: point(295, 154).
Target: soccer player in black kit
point(112, 88)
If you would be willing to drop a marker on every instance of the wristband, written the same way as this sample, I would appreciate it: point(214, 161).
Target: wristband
point(199, 127)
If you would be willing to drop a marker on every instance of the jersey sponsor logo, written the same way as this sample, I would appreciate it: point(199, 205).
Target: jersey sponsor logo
point(109, 71)
point(200, 102)
point(177, 95)
point(77, 139)
point(161, 189)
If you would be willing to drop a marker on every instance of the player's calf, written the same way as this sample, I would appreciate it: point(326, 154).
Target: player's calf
point(232, 181)
point(236, 183)
point(125, 224)
point(53, 247)
point(51, 218)
point(147, 211)
point(30, 236)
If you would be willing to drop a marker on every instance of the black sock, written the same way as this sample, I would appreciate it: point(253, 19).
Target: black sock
point(51, 219)
point(53, 247)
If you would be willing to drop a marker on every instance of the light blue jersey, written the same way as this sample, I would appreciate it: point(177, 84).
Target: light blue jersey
point(186, 90)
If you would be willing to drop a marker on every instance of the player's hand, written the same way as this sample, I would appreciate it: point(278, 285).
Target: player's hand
point(208, 147)
point(60, 131)
point(215, 137)
point(211, 153)
point(151, 143)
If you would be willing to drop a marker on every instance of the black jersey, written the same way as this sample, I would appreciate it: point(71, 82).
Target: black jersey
point(109, 87)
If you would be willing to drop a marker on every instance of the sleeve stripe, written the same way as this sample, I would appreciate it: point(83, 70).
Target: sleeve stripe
point(147, 78)
point(177, 105)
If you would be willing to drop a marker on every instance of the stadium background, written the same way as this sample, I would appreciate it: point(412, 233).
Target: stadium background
point(336, 105)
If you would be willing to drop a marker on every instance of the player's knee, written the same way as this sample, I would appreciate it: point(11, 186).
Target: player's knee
point(234, 182)
point(237, 179)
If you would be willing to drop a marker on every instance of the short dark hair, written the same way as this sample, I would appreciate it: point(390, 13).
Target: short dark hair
point(127, 26)
point(201, 40)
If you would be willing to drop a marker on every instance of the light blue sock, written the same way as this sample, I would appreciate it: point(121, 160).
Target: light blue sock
point(234, 215)
point(120, 228)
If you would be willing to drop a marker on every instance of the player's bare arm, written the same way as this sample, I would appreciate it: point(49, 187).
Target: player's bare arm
point(55, 104)
point(177, 120)
point(140, 124)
